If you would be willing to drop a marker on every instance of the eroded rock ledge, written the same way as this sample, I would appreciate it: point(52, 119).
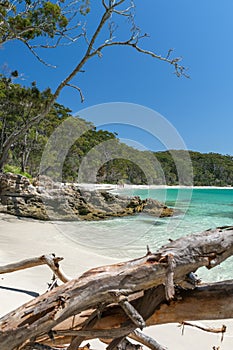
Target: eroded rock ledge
point(47, 200)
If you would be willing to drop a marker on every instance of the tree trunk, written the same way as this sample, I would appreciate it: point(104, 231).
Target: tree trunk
point(4, 155)
point(129, 295)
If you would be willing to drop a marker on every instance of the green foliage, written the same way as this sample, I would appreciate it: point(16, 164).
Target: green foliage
point(85, 7)
point(209, 169)
point(18, 106)
point(102, 156)
point(28, 19)
point(128, 165)
point(15, 170)
point(88, 141)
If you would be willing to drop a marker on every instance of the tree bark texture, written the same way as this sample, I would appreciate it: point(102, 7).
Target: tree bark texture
point(110, 302)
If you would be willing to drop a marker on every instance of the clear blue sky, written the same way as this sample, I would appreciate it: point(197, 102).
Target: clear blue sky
point(200, 108)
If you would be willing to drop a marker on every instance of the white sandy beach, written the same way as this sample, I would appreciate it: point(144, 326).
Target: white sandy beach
point(92, 187)
point(24, 238)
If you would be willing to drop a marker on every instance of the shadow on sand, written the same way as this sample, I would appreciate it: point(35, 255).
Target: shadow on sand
point(28, 292)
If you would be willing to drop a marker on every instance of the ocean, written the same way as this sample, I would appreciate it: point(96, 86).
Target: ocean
point(126, 238)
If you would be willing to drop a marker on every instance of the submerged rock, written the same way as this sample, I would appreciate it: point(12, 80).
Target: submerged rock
point(47, 200)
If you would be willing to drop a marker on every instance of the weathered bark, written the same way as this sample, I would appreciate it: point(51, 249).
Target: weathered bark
point(206, 302)
point(50, 259)
point(204, 328)
point(146, 340)
point(213, 301)
point(146, 275)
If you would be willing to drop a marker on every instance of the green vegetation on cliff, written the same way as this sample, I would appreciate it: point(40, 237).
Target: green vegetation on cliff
point(98, 153)
point(209, 169)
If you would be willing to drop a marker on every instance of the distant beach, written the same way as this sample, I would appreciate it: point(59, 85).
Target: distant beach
point(110, 187)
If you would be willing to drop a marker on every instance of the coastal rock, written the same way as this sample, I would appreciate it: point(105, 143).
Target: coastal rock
point(156, 208)
point(47, 200)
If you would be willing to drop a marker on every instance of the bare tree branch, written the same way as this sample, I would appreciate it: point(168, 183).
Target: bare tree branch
point(114, 7)
point(104, 5)
point(86, 56)
point(79, 90)
point(179, 69)
point(36, 55)
point(127, 11)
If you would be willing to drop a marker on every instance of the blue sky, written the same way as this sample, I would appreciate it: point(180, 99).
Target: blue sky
point(200, 108)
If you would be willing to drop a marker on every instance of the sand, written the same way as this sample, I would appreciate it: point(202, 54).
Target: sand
point(109, 187)
point(24, 238)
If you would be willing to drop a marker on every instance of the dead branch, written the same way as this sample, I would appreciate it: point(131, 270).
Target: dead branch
point(146, 340)
point(205, 302)
point(50, 259)
point(202, 303)
point(90, 322)
point(96, 333)
point(123, 344)
point(204, 328)
point(117, 343)
point(38, 346)
point(175, 62)
point(130, 311)
point(79, 90)
point(38, 57)
point(51, 311)
point(169, 283)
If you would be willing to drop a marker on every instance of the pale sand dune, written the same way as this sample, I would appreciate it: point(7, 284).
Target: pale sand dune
point(23, 238)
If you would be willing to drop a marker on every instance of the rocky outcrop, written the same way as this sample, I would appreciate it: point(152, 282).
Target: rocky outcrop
point(46, 200)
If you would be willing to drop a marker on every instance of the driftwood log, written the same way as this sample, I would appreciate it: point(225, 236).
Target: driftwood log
point(112, 302)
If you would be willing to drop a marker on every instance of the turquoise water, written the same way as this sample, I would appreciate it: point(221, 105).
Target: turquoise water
point(125, 238)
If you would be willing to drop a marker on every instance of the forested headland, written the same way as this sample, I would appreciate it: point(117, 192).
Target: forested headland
point(127, 164)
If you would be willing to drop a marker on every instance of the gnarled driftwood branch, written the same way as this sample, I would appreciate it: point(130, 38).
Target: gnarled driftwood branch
point(143, 281)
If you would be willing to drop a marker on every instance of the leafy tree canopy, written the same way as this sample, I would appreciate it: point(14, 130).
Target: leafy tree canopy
point(26, 20)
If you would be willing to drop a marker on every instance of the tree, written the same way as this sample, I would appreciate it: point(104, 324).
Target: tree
point(111, 302)
point(27, 151)
point(30, 20)
point(211, 169)
point(80, 148)
point(31, 23)
point(19, 105)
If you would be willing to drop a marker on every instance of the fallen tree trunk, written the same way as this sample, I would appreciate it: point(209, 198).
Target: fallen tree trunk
point(112, 290)
point(213, 301)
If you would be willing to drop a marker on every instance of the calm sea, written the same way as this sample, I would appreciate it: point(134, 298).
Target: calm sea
point(125, 238)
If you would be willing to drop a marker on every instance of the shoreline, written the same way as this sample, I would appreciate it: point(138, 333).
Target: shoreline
point(25, 238)
point(113, 187)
